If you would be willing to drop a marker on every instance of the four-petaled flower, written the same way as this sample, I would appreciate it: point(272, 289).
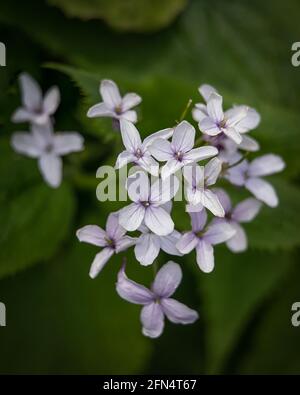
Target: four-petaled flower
point(137, 151)
point(113, 105)
point(199, 179)
point(36, 108)
point(157, 302)
point(180, 151)
point(148, 204)
point(113, 240)
point(48, 147)
point(245, 211)
point(248, 175)
point(203, 239)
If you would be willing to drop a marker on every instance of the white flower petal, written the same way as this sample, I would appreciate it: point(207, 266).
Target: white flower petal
point(211, 202)
point(100, 110)
point(206, 90)
point(31, 93)
point(201, 153)
point(170, 168)
point(187, 242)
point(51, 100)
point(138, 187)
point(130, 136)
point(159, 221)
point(214, 107)
point(249, 144)
point(177, 312)
point(130, 116)
point(131, 217)
point(183, 137)
point(152, 318)
point(246, 211)
point(263, 191)
point(110, 94)
point(65, 143)
point(113, 228)
point(205, 256)
point(124, 158)
point(161, 150)
point(250, 122)
point(100, 260)
point(199, 112)
point(236, 115)
point(224, 199)
point(24, 143)
point(233, 134)
point(130, 100)
point(162, 191)
point(21, 115)
point(198, 220)
point(124, 243)
point(168, 243)
point(161, 134)
point(51, 169)
point(266, 165)
point(92, 234)
point(208, 126)
point(238, 243)
point(167, 280)
point(219, 232)
point(147, 248)
point(194, 175)
point(149, 164)
point(212, 171)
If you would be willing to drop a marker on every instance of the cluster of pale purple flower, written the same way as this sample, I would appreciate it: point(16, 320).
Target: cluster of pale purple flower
point(224, 138)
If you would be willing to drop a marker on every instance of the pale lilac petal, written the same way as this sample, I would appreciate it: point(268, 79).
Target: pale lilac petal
point(208, 126)
point(132, 291)
point(152, 318)
point(100, 110)
point(238, 243)
point(123, 159)
point(183, 137)
point(224, 199)
point(167, 280)
point(205, 256)
point(159, 221)
point(21, 115)
point(161, 149)
point(100, 261)
point(187, 242)
point(250, 122)
point(171, 167)
point(131, 217)
point(193, 208)
point(92, 234)
point(212, 171)
point(149, 164)
point(194, 175)
point(168, 243)
point(147, 248)
point(51, 169)
point(162, 191)
point(130, 116)
point(266, 165)
point(249, 144)
point(110, 94)
point(65, 143)
point(246, 211)
point(214, 107)
point(177, 312)
point(138, 187)
point(237, 174)
point(198, 220)
point(199, 112)
point(24, 143)
point(113, 228)
point(130, 136)
point(201, 153)
point(263, 191)
point(206, 90)
point(211, 202)
point(124, 243)
point(219, 232)
point(31, 93)
point(236, 115)
point(51, 100)
point(167, 206)
point(161, 134)
point(130, 100)
point(233, 134)
point(43, 135)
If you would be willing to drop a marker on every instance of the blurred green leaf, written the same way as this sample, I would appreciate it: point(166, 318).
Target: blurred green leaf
point(34, 224)
point(231, 295)
point(128, 15)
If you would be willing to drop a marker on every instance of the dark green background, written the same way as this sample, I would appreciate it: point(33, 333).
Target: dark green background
point(60, 321)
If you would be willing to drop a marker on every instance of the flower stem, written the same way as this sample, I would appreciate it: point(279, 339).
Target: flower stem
point(184, 112)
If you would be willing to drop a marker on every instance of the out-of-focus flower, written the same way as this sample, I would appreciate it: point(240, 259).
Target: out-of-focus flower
point(48, 147)
point(249, 175)
point(137, 151)
point(180, 151)
point(35, 108)
point(199, 179)
point(203, 239)
point(157, 302)
point(113, 240)
point(113, 105)
point(147, 204)
point(245, 211)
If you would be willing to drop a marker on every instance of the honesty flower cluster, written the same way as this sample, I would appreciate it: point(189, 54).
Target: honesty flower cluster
point(41, 142)
point(215, 152)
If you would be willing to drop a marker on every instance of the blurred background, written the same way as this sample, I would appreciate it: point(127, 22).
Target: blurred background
point(59, 320)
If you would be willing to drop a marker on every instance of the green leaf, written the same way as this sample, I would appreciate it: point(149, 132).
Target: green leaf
point(34, 223)
point(231, 295)
point(129, 15)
